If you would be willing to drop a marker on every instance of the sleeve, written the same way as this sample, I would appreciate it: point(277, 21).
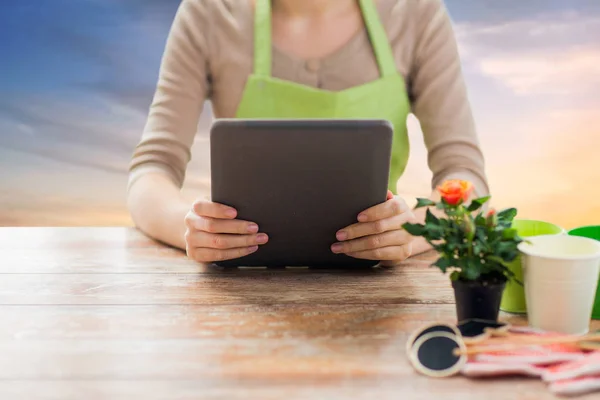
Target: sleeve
point(179, 98)
point(440, 102)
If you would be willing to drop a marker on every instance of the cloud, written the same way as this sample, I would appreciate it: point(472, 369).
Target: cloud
point(95, 115)
point(558, 180)
point(526, 78)
point(37, 190)
point(533, 82)
point(565, 72)
point(64, 152)
point(545, 31)
point(88, 109)
point(98, 135)
point(491, 12)
point(555, 54)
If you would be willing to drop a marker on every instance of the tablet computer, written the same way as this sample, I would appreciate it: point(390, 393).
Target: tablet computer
point(301, 181)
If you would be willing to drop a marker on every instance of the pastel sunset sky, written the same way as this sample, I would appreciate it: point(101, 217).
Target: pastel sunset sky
point(77, 77)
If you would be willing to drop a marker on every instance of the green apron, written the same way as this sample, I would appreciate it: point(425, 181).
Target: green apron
point(385, 98)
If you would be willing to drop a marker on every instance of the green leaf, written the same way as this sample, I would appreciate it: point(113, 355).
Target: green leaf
point(507, 215)
point(498, 260)
point(439, 248)
point(424, 203)
point(502, 248)
point(480, 220)
point(510, 256)
point(471, 273)
point(477, 248)
point(414, 229)
point(443, 263)
point(435, 232)
point(454, 275)
point(518, 281)
point(477, 203)
point(430, 218)
point(509, 234)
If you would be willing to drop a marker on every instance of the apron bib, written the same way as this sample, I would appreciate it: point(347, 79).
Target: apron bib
point(385, 98)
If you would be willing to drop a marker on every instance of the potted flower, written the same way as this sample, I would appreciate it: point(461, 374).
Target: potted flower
point(476, 245)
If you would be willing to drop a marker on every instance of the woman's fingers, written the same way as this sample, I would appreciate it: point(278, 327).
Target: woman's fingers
point(378, 235)
point(213, 234)
point(215, 225)
point(207, 255)
point(391, 253)
point(392, 206)
point(211, 247)
point(386, 239)
point(207, 208)
point(363, 229)
point(224, 241)
point(387, 216)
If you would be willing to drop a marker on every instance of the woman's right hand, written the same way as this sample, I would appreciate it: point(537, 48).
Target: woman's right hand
point(213, 234)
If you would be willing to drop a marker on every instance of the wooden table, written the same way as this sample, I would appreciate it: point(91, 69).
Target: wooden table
point(105, 313)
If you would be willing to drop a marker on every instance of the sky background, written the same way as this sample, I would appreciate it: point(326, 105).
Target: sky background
point(77, 77)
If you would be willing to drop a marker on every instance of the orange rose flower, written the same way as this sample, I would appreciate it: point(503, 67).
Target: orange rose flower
point(455, 191)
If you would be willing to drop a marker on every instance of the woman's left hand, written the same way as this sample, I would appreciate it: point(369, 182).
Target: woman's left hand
point(379, 234)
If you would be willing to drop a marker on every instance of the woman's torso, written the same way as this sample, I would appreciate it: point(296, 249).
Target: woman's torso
point(209, 55)
point(229, 33)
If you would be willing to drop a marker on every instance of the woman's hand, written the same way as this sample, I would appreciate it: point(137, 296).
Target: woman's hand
point(379, 235)
point(213, 233)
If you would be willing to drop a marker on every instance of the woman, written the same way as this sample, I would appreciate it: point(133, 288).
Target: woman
point(309, 58)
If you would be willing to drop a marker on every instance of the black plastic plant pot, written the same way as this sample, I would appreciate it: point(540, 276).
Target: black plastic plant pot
point(477, 299)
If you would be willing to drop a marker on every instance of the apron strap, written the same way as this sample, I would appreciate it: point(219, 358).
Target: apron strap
point(379, 39)
point(377, 34)
point(262, 38)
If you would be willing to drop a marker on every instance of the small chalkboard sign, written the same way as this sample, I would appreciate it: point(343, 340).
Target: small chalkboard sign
point(476, 330)
point(429, 329)
point(433, 354)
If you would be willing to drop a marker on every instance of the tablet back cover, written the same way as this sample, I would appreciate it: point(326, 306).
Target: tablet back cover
point(300, 181)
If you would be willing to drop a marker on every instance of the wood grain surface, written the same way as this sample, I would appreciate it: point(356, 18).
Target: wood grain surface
point(106, 313)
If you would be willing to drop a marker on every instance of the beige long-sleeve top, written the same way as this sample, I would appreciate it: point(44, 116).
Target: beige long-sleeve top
point(209, 56)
